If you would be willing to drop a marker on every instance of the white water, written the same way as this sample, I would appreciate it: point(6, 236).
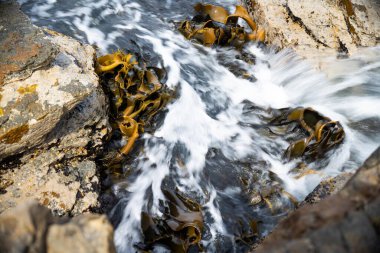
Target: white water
point(209, 113)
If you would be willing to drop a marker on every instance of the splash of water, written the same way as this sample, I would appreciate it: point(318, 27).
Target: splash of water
point(207, 134)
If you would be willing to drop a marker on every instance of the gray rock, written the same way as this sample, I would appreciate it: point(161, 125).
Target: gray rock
point(35, 105)
point(53, 117)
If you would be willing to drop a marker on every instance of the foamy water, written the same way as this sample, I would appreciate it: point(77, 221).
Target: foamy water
point(207, 132)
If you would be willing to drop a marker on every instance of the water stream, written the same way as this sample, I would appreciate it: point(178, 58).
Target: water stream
point(210, 137)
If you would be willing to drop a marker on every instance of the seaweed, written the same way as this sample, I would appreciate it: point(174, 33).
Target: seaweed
point(179, 228)
point(136, 93)
point(215, 26)
point(319, 133)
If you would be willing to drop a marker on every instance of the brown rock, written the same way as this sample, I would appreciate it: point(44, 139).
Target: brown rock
point(327, 187)
point(84, 234)
point(31, 228)
point(23, 229)
point(345, 222)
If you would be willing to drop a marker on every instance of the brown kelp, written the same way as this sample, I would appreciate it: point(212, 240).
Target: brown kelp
point(136, 93)
point(213, 25)
point(317, 134)
point(180, 227)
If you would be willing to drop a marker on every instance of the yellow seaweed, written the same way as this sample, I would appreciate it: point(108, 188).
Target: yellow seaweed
point(136, 93)
point(215, 26)
point(216, 13)
point(322, 132)
point(241, 12)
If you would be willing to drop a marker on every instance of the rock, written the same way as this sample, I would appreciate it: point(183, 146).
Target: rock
point(348, 221)
point(24, 228)
point(85, 233)
point(327, 187)
point(31, 228)
point(318, 27)
point(34, 104)
point(23, 49)
point(53, 117)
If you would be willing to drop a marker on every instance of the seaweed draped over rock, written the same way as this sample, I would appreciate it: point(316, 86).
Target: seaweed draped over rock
point(179, 228)
point(213, 25)
point(136, 92)
point(318, 134)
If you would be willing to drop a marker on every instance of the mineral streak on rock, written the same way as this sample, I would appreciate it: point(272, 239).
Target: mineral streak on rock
point(14, 135)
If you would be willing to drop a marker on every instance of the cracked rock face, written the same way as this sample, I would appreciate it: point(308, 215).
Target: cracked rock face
point(314, 27)
point(53, 118)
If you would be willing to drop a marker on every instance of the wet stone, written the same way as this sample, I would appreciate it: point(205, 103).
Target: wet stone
point(328, 239)
point(373, 212)
point(300, 246)
point(327, 187)
point(359, 234)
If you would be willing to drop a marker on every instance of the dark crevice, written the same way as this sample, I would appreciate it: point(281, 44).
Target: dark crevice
point(299, 21)
point(342, 50)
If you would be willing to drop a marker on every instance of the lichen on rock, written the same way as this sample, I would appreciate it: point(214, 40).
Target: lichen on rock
point(53, 118)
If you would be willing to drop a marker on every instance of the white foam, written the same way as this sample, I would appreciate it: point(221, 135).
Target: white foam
point(349, 94)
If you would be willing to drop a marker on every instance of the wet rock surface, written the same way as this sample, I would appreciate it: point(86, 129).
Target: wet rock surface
point(327, 187)
point(318, 27)
point(345, 222)
point(32, 228)
point(53, 117)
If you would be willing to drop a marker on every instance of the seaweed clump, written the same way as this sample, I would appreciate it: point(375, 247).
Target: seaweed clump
point(180, 227)
point(136, 93)
point(315, 133)
point(213, 25)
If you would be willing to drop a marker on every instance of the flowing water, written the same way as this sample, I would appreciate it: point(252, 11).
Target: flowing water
point(211, 137)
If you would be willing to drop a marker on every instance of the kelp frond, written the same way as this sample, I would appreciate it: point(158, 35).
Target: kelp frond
point(135, 91)
point(215, 26)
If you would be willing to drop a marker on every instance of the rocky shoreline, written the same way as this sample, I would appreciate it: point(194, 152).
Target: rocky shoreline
point(54, 125)
point(54, 118)
point(318, 29)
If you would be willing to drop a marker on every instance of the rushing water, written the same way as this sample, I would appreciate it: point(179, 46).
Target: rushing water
point(210, 136)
